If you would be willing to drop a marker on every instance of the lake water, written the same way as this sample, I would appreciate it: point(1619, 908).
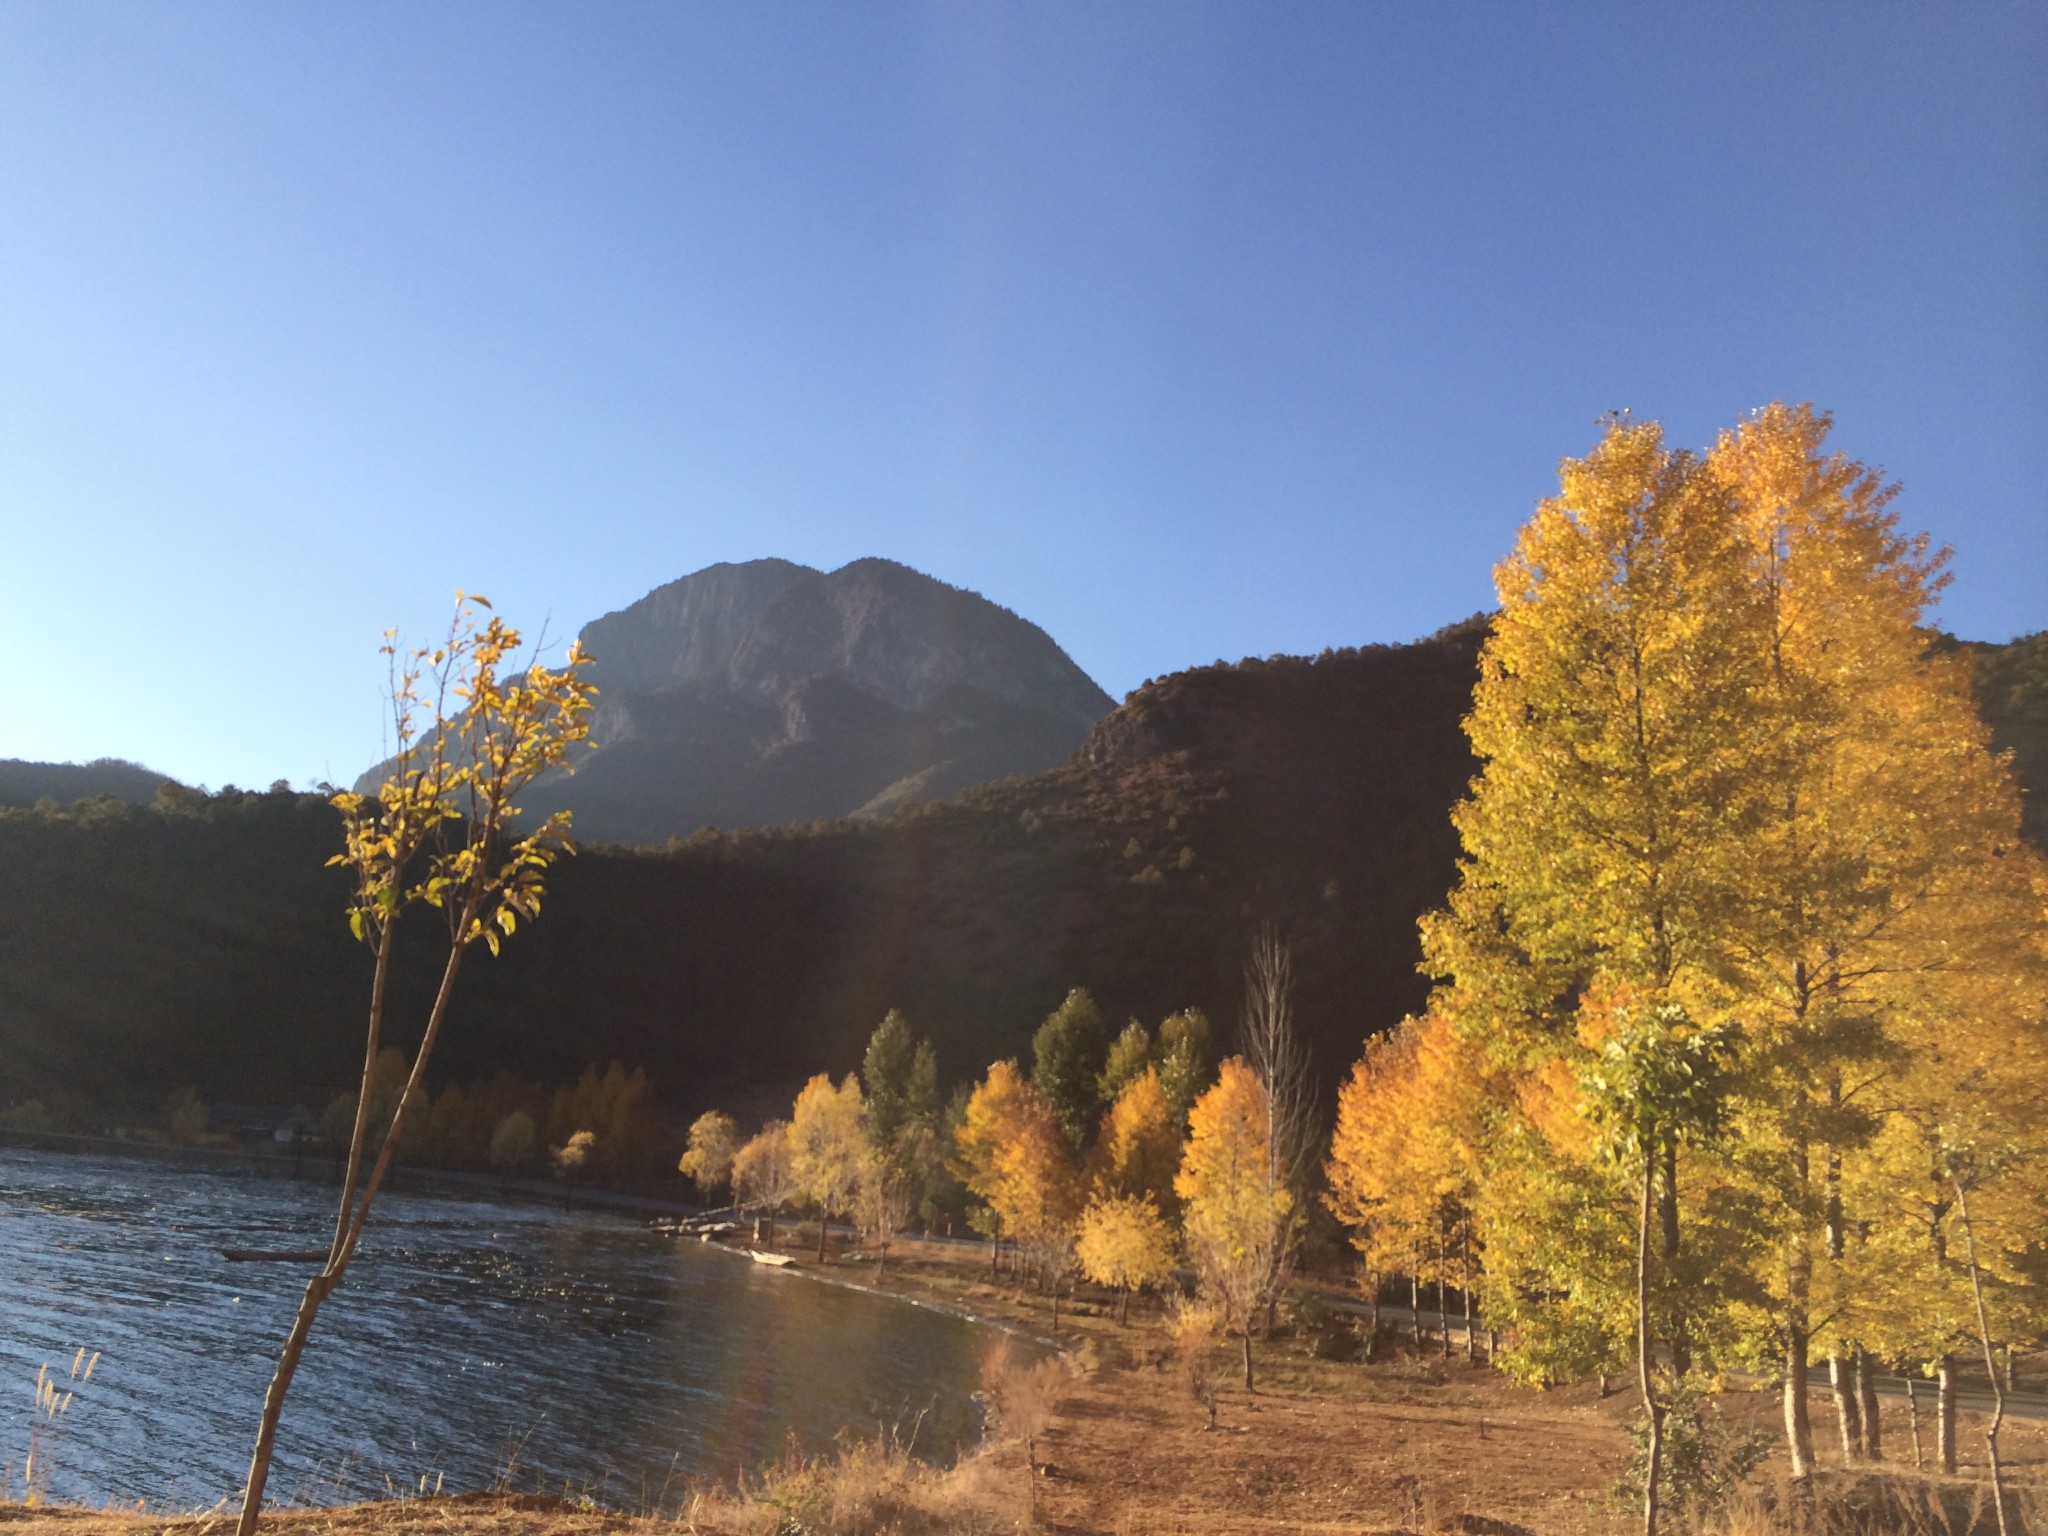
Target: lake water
point(576, 1349)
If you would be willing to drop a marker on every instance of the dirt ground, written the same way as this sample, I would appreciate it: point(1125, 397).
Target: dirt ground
point(1405, 1447)
point(1411, 1443)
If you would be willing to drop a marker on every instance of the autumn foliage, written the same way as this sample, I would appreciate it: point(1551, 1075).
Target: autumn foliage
point(1743, 976)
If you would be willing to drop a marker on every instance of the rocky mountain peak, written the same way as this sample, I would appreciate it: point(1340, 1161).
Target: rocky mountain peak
point(765, 626)
point(767, 691)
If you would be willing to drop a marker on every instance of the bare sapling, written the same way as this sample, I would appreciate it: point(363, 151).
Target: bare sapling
point(1279, 1059)
point(1960, 1182)
point(1192, 1325)
point(440, 832)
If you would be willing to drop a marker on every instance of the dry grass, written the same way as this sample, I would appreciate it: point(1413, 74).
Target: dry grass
point(464, 1515)
point(1870, 1504)
point(869, 1489)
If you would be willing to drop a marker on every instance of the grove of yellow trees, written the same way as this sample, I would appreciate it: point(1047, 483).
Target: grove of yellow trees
point(1738, 1053)
point(1736, 1056)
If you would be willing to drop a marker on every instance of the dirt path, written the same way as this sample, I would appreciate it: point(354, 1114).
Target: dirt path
point(1132, 1455)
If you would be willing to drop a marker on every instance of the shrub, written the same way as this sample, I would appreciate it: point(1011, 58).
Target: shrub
point(1706, 1459)
point(513, 1143)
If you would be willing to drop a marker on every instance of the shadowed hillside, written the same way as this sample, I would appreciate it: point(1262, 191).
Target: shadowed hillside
point(24, 783)
point(2012, 694)
point(202, 941)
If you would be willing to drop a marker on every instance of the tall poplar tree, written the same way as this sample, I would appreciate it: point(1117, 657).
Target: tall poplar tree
point(1616, 724)
point(1880, 814)
point(1237, 1205)
point(1725, 773)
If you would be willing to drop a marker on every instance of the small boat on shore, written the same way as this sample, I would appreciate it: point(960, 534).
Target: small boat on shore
point(778, 1260)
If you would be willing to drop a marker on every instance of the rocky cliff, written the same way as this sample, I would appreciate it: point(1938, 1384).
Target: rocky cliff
point(767, 693)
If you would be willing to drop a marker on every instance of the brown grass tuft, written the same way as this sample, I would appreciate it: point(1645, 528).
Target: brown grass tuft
point(868, 1488)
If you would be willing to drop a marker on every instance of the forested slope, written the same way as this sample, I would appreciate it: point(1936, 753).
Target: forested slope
point(201, 942)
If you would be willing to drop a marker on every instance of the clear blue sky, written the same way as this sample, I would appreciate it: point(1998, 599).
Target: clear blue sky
point(1187, 331)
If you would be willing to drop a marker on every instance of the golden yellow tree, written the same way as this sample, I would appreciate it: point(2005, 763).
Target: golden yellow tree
point(473, 728)
point(614, 1109)
point(763, 1176)
point(827, 1144)
point(1618, 727)
point(1236, 1211)
point(1406, 1156)
point(714, 1140)
point(882, 1201)
point(1137, 1153)
point(1614, 724)
point(1039, 1192)
point(1880, 817)
point(1012, 1151)
point(1722, 775)
point(1952, 1193)
point(972, 1156)
point(1124, 1243)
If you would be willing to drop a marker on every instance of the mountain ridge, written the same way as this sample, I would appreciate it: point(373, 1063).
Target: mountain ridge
point(767, 692)
point(200, 939)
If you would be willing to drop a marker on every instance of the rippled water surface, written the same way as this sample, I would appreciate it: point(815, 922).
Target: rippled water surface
point(577, 1348)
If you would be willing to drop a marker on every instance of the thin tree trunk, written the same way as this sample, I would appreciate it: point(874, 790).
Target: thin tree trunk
point(1248, 1354)
point(1990, 1364)
point(359, 1135)
point(1123, 1311)
point(1798, 1334)
point(1866, 1392)
point(1667, 1218)
point(881, 1263)
point(1465, 1284)
point(349, 1226)
point(1848, 1412)
point(1415, 1304)
point(1442, 1287)
point(1913, 1419)
point(1443, 1300)
point(317, 1290)
point(822, 1224)
point(1798, 1422)
point(1945, 1413)
point(1031, 1472)
point(1643, 1346)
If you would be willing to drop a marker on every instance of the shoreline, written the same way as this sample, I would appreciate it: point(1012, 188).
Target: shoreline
point(811, 1272)
point(326, 1169)
point(1407, 1443)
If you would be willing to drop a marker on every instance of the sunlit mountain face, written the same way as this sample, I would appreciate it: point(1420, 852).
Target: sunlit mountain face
point(769, 693)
